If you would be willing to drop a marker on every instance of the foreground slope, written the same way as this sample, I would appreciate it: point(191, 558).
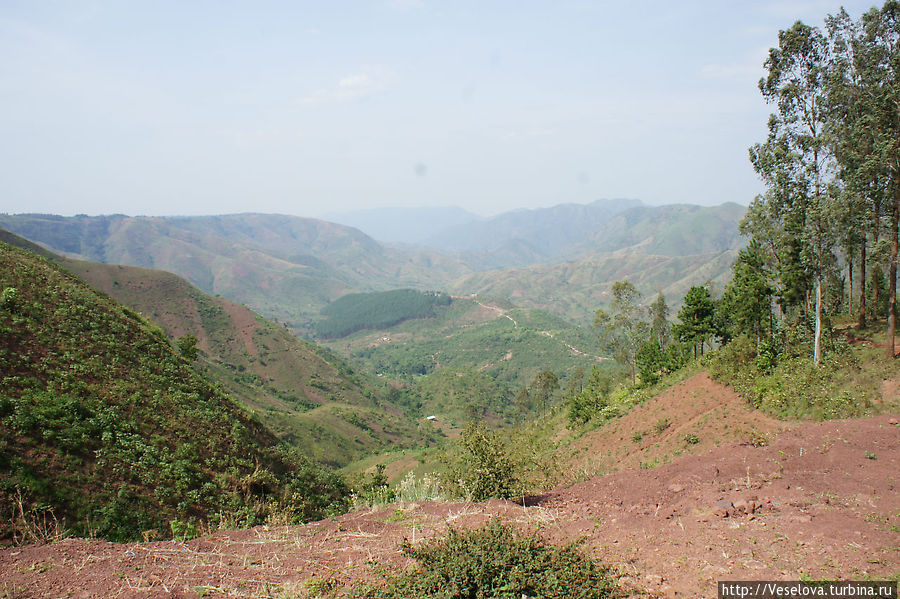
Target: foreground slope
point(810, 504)
point(99, 422)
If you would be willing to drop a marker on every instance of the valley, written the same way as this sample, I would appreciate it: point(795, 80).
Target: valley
point(373, 385)
point(436, 300)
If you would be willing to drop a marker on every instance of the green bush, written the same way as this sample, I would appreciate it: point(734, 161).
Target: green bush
point(483, 467)
point(783, 381)
point(495, 562)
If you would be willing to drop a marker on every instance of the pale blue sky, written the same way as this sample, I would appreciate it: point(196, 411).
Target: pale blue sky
point(305, 108)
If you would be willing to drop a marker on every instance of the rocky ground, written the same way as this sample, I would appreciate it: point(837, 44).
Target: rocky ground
point(818, 500)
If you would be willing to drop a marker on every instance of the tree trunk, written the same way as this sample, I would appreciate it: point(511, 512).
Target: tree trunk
point(850, 277)
point(892, 283)
point(876, 270)
point(861, 322)
point(817, 348)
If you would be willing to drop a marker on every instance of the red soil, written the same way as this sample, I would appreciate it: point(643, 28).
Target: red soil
point(820, 500)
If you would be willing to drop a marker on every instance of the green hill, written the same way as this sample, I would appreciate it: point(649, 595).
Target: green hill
point(574, 290)
point(99, 423)
point(282, 378)
point(284, 267)
point(486, 349)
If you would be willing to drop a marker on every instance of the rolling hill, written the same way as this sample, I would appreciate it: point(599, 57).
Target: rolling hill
point(560, 259)
point(284, 267)
point(306, 395)
point(99, 421)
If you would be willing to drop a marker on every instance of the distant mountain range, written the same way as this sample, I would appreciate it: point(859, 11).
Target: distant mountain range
point(288, 268)
point(405, 225)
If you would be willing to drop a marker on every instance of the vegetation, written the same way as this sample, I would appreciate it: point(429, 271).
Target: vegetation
point(98, 421)
point(483, 468)
point(831, 166)
point(359, 311)
point(491, 562)
point(284, 380)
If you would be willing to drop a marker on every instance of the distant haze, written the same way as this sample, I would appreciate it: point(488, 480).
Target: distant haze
point(308, 108)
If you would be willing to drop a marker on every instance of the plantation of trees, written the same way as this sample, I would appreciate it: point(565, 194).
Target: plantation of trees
point(359, 311)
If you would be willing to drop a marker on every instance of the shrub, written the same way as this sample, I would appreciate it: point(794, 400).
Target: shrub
point(8, 299)
point(483, 468)
point(495, 561)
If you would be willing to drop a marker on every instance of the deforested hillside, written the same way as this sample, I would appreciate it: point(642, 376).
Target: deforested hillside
point(99, 423)
point(575, 289)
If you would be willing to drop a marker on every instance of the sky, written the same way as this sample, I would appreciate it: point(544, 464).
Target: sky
point(308, 108)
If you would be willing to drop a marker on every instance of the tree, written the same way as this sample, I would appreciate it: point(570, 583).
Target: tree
point(584, 404)
point(748, 296)
point(659, 321)
point(523, 400)
point(697, 316)
point(544, 384)
point(793, 162)
point(879, 46)
point(483, 468)
point(624, 329)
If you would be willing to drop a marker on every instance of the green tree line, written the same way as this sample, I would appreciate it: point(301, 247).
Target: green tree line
point(827, 224)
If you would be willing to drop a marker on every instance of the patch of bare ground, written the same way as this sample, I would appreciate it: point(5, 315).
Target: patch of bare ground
point(244, 323)
point(819, 500)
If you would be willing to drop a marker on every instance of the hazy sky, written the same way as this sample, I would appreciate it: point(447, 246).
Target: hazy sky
point(305, 108)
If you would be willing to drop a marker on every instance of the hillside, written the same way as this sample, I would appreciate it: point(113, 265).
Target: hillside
point(99, 419)
point(310, 398)
point(474, 353)
point(288, 268)
point(809, 505)
point(284, 380)
point(548, 231)
point(574, 290)
point(284, 267)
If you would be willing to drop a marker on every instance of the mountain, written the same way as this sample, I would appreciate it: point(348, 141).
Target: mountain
point(673, 230)
point(99, 423)
point(405, 225)
point(547, 231)
point(305, 394)
point(284, 267)
point(289, 268)
point(574, 290)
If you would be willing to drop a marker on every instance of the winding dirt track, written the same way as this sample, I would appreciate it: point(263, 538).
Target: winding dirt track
point(820, 500)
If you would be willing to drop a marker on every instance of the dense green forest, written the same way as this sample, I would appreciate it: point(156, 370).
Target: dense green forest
point(359, 311)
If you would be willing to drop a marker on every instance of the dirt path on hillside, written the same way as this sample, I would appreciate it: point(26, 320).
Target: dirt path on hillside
point(820, 500)
point(500, 311)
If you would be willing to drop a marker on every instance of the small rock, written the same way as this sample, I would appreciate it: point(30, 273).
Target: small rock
point(676, 488)
point(893, 422)
point(741, 506)
point(723, 508)
point(653, 579)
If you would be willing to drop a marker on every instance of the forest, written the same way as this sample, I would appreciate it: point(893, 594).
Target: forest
point(359, 311)
point(826, 228)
